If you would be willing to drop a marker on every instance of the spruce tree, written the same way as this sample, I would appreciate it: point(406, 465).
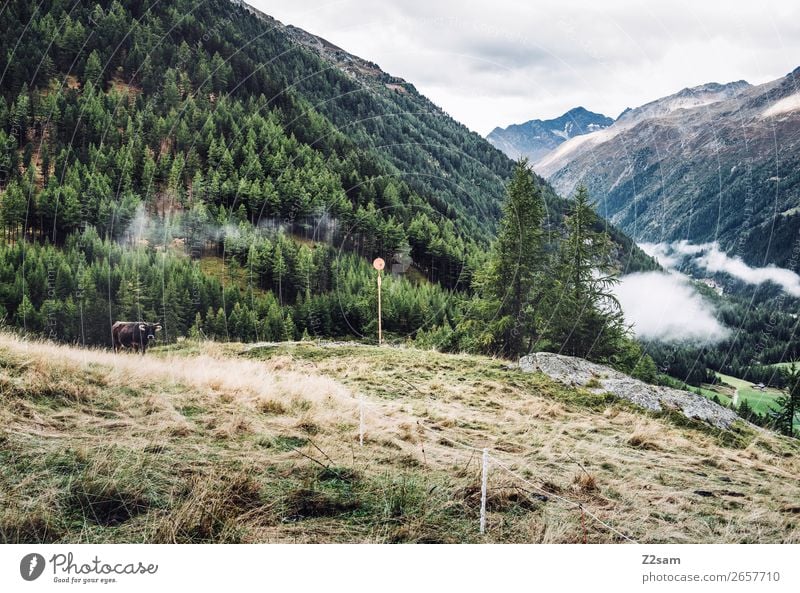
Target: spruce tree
point(279, 269)
point(789, 405)
point(93, 71)
point(510, 284)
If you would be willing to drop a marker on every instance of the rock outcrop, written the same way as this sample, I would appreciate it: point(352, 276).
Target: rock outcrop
point(602, 379)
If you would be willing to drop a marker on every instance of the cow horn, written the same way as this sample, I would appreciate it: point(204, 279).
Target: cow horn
point(141, 327)
point(158, 327)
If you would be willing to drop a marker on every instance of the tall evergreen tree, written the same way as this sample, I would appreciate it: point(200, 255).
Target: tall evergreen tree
point(789, 405)
point(584, 317)
point(510, 284)
point(93, 71)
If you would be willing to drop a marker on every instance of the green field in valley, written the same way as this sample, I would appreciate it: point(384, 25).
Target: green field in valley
point(710, 391)
point(761, 400)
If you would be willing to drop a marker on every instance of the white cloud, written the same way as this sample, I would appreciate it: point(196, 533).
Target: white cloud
point(686, 248)
point(666, 307)
point(709, 257)
point(785, 105)
point(661, 253)
point(715, 261)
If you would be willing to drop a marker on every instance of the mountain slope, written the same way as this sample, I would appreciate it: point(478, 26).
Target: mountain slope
point(537, 137)
point(711, 163)
point(203, 442)
point(178, 130)
point(433, 153)
point(454, 168)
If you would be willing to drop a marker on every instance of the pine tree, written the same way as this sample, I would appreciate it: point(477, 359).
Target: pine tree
point(20, 114)
point(235, 322)
point(171, 93)
point(27, 316)
point(13, 208)
point(221, 325)
point(289, 329)
point(744, 409)
point(130, 298)
point(196, 331)
point(510, 284)
point(93, 71)
point(279, 269)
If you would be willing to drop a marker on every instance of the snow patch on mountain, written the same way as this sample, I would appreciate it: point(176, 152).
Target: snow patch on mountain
point(553, 160)
point(785, 105)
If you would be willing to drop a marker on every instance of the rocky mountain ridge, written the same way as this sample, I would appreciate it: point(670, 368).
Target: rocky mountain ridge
point(535, 138)
point(710, 163)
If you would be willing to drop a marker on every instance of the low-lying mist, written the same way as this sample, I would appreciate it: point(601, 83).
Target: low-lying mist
point(196, 226)
point(666, 307)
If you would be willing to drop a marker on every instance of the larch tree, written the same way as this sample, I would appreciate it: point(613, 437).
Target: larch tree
point(585, 318)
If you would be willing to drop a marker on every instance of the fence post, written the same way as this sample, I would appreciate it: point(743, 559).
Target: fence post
point(361, 420)
point(484, 480)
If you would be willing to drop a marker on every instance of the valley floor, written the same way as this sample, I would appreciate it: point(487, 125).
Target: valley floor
point(206, 442)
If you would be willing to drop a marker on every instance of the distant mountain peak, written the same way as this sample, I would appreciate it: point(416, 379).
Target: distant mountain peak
point(687, 98)
point(537, 137)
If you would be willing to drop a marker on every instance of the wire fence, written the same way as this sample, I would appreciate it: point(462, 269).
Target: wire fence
point(489, 460)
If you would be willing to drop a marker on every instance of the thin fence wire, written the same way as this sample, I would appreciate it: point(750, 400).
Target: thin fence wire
point(568, 501)
point(486, 461)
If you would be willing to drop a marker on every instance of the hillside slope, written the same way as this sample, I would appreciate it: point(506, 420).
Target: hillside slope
point(437, 156)
point(710, 163)
point(208, 442)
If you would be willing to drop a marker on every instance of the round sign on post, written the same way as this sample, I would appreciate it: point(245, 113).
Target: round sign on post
point(379, 264)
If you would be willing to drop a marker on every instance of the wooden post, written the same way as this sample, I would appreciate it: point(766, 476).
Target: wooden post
point(361, 420)
point(380, 329)
point(379, 264)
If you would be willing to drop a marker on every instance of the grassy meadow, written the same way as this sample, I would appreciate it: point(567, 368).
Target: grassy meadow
point(207, 442)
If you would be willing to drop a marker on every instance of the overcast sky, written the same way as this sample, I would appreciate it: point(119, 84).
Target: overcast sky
point(499, 62)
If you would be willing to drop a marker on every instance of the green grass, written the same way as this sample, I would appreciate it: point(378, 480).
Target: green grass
point(709, 392)
point(228, 272)
point(734, 382)
point(762, 401)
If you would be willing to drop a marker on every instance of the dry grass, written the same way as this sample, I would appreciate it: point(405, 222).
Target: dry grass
point(645, 437)
point(583, 483)
point(218, 443)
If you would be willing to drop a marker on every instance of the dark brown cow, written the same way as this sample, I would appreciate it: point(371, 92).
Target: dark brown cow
point(133, 334)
